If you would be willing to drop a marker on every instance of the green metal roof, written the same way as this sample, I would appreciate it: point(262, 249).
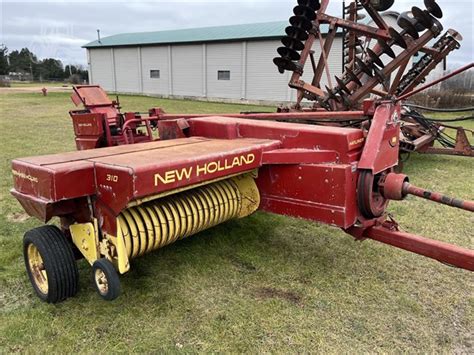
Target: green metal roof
point(204, 34)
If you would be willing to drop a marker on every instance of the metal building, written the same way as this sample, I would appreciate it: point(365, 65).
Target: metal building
point(231, 63)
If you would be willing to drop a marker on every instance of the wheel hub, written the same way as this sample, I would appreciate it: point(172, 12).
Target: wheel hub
point(38, 271)
point(101, 281)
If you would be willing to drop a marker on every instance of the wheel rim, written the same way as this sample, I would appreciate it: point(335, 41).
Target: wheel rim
point(37, 269)
point(101, 281)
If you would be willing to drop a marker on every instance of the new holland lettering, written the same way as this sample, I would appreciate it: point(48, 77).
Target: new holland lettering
point(212, 167)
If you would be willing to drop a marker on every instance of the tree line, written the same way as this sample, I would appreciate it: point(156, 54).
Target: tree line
point(49, 69)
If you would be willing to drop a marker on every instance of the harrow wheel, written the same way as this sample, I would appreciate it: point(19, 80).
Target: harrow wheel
point(106, 279)
point(50, 264)
point(370, 201)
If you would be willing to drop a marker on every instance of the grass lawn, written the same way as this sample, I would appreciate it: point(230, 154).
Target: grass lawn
point(262, 284)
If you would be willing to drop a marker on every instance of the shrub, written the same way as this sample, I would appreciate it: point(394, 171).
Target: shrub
point(75, 79)
point(450, 98)
point(4, 83)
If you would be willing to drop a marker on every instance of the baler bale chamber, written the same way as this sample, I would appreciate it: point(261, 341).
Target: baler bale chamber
point(141, 181)
point(124, 207)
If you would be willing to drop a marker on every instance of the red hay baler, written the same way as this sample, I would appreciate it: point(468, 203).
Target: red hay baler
point(140, 181)
point(120, 202)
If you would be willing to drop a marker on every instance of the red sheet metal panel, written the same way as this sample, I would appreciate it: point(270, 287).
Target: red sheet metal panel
point(119, 174)
point(105, 152)
point(320, 192)
point(54, 182)
point(92, 96)
point(55, 177)
point(382, 147)
point(89, 124)
point(299, 156)
point(123, 178)
point(44, 210)
point(346, 141)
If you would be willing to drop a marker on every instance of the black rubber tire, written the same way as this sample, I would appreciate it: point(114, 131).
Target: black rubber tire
point(113, 280)
point(59, 263)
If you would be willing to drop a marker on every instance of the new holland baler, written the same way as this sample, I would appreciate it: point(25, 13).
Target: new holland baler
point(139, 182)
point(118, 203)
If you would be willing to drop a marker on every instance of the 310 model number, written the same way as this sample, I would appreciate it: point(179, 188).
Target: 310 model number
point(112, 178)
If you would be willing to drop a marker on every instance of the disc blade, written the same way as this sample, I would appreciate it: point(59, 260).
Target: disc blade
point(331, 94)
point(375, 58)
point(408, 27)
point(397, 38)
point(455, 34)
point(301, 22)
point(292, 43)
point(423, 17)
point(305, 11)
point(296, 33)
point(288, 53)
point(379, 75)
point(364, 67)
point(383, 5)
point(341, 84)
point(345, 100)
point(350, 74)
point(386, 49)
point(313, 4)
point(284, 64)
point(408, 16)
point(433, 8)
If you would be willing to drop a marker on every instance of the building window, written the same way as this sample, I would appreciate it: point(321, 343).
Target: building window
point(223, 75)
point(154, 74)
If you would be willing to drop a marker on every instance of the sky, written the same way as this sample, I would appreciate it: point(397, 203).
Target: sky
point(58, 29)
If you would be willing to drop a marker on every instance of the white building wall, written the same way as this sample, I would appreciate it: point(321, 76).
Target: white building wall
point(101, 68)
point(155, 58)
point(191, 70)
point(127, 70)
point(226, 56)
point(264, 82)
point(187, 71)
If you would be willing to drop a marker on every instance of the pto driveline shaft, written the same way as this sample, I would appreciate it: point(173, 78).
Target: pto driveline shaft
point(438, 197)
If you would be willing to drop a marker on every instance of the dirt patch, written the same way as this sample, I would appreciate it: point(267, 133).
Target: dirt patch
point(242, 265)
point(269, 292)
point(18, 217)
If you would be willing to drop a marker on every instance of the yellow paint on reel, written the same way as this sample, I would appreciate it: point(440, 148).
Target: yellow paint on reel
point(154, 224)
